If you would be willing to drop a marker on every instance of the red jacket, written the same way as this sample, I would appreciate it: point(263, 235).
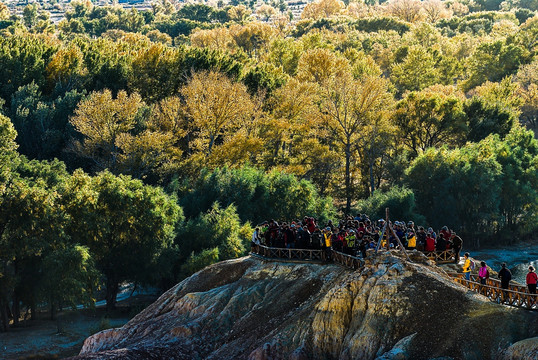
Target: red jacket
point(532, 278)
point(430, 244)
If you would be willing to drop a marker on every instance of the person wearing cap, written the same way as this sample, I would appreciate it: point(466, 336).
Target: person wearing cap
point(532, 279)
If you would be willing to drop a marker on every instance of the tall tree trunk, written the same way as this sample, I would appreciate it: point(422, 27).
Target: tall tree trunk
point(372, 180)
point(348, 177)
point(5, 317)
point(211, 142)
point(33, 311)
point(15, 308)
point(52, 310)
point(112, 287)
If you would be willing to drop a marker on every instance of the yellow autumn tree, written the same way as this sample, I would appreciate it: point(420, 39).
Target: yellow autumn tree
point(319, 65)
point(252, 37)
point(216, 107)
point(101, 119)
point(217, 39)
point(66, 68)
point(4, 11)
point(322, 9)
point(111, 141)
point(407, 10)
point(347, 105)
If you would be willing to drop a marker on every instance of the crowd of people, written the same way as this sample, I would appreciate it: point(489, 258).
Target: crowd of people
point(354, 235)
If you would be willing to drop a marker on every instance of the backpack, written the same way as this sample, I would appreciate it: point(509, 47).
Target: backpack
point(471, 265)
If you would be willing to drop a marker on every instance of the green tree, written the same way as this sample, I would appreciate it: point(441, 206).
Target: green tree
point(196, 12)
point(429, 119)
point(400, 201)
point(459, 188)
point(124, 223)
point(493, 61)
point(257, 196)
point(210, 237)
point(518, 156)
point(78, 286)
point(417, 70)
point(29, 14)
point(23, 59)
point(485, 118)
point(32, 225)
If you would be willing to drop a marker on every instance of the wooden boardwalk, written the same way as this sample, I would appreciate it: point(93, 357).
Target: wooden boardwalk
point(308, 255)
point(516, 295)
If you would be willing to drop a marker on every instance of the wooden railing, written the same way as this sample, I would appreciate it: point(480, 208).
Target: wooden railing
point(440, 257)
point(516, 294)
point(346, 260)
point(289, 254)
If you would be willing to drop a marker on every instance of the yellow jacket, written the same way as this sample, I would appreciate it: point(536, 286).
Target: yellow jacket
point(327, 237)
point(467, 266)
point(412, 242)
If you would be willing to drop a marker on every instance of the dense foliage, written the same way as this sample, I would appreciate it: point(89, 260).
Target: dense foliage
point(143, 145)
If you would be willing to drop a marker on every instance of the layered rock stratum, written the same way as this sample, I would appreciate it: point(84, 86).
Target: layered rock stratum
point(249, 308)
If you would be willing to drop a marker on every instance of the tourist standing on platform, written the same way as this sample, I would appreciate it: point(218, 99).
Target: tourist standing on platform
point(430, 243)
point(421, 238)
point(483, 273)
point(466, 267)
point(317, 241)
point(505, 275)
point(327, 234)
point(457, 244)
point(256, 237)
point(532, 279)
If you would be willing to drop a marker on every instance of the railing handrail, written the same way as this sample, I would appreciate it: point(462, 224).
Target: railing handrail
point(321, 252)
point(516, 297)
point(286, 249)
point(494, 287)
point(512, 283)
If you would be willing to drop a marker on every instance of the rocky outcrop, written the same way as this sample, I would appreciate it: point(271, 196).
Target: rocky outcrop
point(253, 309)
point(522, 350)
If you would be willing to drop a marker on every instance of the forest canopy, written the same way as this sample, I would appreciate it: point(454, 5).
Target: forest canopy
point(141, 146)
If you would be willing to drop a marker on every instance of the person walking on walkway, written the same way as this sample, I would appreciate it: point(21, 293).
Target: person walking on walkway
point(505, 275)
point(483, 275)
point(532, 279)
point(467, 267)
